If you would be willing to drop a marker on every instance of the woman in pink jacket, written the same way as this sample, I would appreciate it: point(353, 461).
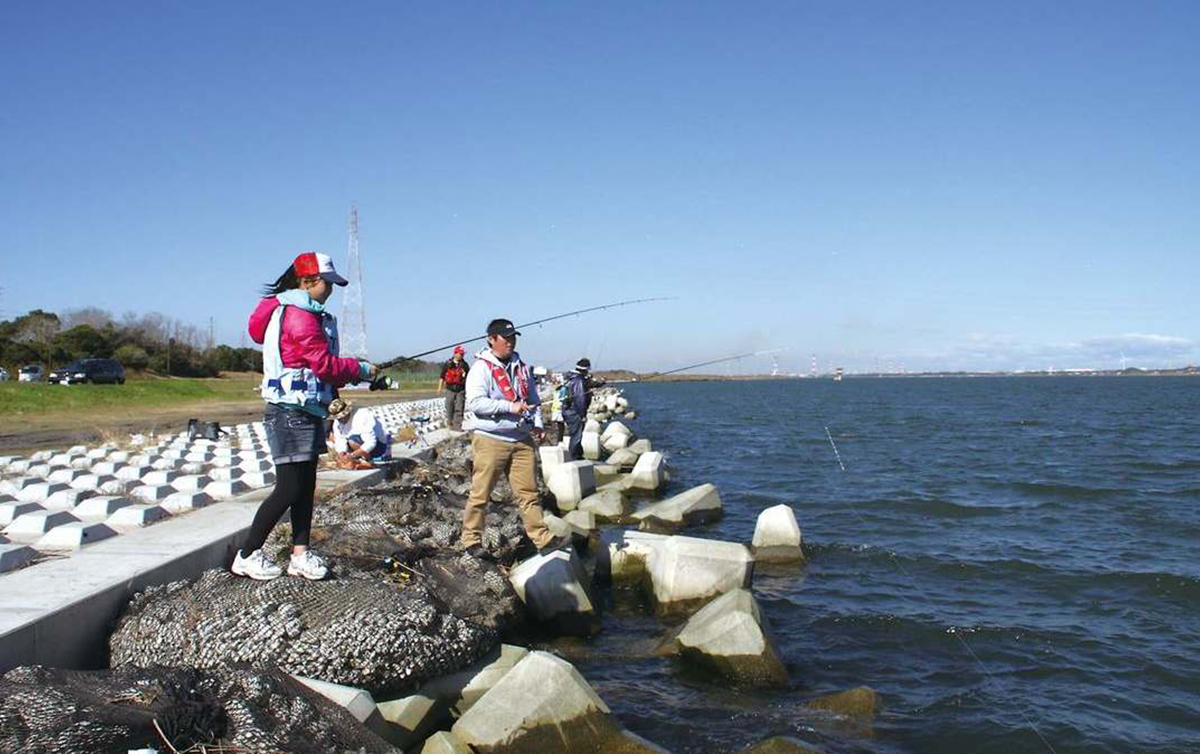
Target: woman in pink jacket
point(301, 369)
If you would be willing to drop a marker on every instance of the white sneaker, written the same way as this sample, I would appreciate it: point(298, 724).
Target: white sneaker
point(255, 566)
point(309, 565)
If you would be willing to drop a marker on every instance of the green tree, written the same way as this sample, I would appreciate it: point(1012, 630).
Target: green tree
point(83, 342)
point(132, 357)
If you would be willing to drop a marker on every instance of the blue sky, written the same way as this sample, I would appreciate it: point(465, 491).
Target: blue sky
point(959, 185)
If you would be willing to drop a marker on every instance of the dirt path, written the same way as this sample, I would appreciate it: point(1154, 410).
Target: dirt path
point(26, 434)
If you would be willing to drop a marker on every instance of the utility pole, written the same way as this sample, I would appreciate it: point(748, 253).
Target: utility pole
point(352, 329)
point(211, 334)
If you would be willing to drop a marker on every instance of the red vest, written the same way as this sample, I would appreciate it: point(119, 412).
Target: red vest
point(456, 374)
point(501, 378)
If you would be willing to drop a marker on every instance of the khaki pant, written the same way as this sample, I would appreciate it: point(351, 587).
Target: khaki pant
point(492, 457)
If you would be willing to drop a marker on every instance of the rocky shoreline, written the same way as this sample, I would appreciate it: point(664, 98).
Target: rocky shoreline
point(413, 645)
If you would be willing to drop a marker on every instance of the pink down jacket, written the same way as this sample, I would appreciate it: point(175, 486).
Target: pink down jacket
point(302, 342)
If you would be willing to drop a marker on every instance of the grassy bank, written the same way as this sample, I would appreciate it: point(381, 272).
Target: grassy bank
point(41, 398)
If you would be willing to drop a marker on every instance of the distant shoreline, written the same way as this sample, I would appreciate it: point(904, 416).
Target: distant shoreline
point(627, 377)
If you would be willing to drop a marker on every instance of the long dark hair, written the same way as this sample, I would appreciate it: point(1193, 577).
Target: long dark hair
point(285, 282)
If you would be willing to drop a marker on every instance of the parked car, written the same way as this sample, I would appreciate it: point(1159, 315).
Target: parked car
point(30, 373)
point(3, 374)
point(89, 370)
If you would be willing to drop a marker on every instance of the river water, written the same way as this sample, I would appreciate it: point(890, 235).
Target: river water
point(1011, 563)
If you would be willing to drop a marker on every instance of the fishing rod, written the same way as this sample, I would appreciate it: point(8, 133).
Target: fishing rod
point(714, 361)
point(631, 302)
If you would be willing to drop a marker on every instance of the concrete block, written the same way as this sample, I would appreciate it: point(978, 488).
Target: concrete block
point(729, 636)
point(97, 454)
point(622, 457)
point(119, 456)
point(153, 493)
point(65, 500)
point(552, 588)
point(19, 466)
point(584, 520)
point(226, 490)
point(700, 504)
point(133, 472)
point(259, 465)
point(592, 449)
point(591, 425)
point(109, 468)
point(650, 471)
point(541, 705)
point(615, 442)
point(259, 479)
point(16, 484)
point(72, 536)
point(639, 446)
point(198, 456)
point(116, 487)
point(182, 502)
point(191, 482)
point(160, 476)
point(686, 570)
point(623, 555)
point(77, 450)
point(571, 482)
point(32, 526)
point(166, 464)
point(192, 469)
point(460, 691)
point(5, 461)
point(777, 537)
point(412, 718)
point(13, 556)
point(559, 527)
point(358, 702)
point(10, 511)
point(36, 493)
point(135, 517)
point(551, 457)
point(41, 470)
point(42, 456)
point(225, 473)
point(99, 508)
point(94, 482)
point(82, 463)
point(444, 742)
point(607, 505)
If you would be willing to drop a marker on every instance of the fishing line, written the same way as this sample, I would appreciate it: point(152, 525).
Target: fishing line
point(900, 567)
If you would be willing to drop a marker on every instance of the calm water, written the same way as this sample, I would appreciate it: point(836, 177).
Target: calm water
point(1004, 560)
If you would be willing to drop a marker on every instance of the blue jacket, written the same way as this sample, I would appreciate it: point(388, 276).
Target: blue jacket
point(492, 412)
point(581, 398)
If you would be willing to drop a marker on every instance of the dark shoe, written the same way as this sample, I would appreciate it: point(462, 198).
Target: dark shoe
point(477, 552)
point(558, 543)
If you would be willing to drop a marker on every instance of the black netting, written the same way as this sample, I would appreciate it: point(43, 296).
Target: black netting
point(224, 709)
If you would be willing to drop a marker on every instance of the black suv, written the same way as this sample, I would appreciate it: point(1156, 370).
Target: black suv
point(89, 370)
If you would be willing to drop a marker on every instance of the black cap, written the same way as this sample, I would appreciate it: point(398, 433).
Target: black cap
point(583, 366)
point(503, 327)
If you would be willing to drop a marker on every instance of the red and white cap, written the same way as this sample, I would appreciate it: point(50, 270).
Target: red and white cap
point(313, 263)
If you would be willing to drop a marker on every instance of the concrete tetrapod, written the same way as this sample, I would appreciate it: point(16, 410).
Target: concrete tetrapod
point(686, 570)
point(444, 743)
point(553, 587)
point(571, 483)
point(542, 705)
point(777, 537)
point(591, 446)
point(607, 505)
point(729, 635)
point(649, 473)
point(358, 702)
point(698, 505)
point(622, 457)
point(460, 691)
point(552, 457)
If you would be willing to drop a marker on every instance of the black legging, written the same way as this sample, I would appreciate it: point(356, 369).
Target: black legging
point(295, 484)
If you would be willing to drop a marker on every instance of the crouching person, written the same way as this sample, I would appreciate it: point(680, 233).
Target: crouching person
point(502, 395)
point(358, 437)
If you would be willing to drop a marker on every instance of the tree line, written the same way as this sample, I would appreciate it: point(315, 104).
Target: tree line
point(142, 342)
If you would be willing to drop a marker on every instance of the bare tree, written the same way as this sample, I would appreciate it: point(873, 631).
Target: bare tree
point(86, 315)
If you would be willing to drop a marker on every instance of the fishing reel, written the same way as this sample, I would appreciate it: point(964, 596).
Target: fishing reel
point(382, 382)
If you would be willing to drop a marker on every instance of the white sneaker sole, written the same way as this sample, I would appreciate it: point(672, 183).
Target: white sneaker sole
point(257, 577)
point(297, 572)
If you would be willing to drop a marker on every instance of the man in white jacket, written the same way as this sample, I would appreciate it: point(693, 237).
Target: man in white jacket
point(502, 395)
point(358, 436)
